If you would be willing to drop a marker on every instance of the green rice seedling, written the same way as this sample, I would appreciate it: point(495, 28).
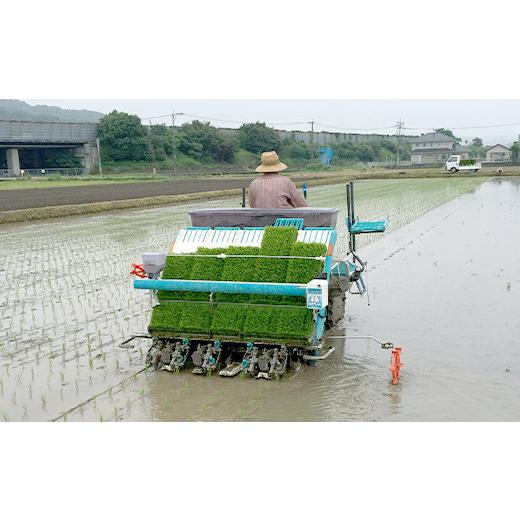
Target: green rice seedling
point(208, 268)
point(228, 319)
point(165, 316)
point(303, 271)
point(292, 323)
point(238, 270)
point(258, 320)
point(176, 268)
point(277, 241)
point(196, 318)
point(200, 269)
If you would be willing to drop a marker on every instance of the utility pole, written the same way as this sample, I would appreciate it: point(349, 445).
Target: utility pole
point(174, 115)
point(399, 125)
point(312, 138)
point(99, 156)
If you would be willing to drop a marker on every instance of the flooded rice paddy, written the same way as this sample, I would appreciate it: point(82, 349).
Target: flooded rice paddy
point(444, 282)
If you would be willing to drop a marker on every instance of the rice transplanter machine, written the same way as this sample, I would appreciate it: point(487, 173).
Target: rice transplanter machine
point(251, 290)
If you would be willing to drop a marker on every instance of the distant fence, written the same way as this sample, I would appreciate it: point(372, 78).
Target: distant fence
point(414, 166)
point(226, 170)
point(499, 163)
point(42, 172)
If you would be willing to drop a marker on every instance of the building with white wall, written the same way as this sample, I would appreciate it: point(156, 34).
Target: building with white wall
point(435, 148)
point(498, 153)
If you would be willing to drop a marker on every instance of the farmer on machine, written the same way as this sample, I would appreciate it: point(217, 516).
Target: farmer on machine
point(272, 190)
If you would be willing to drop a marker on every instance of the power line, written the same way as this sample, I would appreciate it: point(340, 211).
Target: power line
point(354, 129)
point(206, 118)
point(287, 124)
point(155, 117)
point(324, 125)
point(209, 118)
point(463, 127)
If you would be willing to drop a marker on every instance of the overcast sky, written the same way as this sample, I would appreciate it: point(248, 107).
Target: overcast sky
point(363, 116)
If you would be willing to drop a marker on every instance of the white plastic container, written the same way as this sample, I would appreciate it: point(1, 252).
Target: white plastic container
point(153, 263)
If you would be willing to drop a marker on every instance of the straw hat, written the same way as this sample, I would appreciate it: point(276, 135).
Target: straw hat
point(271, 163)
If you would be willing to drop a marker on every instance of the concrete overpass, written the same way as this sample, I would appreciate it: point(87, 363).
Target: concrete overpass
point(81, 138)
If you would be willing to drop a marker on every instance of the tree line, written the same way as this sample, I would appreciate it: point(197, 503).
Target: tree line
point(124, 138)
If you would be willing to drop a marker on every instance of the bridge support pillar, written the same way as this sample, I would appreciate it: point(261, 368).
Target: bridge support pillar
point(88, 154)
point(13, 162)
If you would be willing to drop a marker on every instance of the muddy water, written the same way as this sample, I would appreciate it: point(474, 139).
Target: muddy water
point(444, 283)
point(447, 288)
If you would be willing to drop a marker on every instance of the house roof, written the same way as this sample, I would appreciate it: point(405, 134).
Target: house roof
point(434, 137)
point(498, 146)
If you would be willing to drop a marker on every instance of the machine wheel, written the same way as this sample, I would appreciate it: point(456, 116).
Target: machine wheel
point(453, 170)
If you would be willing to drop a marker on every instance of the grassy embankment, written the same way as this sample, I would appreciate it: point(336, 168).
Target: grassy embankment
point(335, 173)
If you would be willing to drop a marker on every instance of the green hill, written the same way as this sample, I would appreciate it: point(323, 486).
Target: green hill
point(13, 109)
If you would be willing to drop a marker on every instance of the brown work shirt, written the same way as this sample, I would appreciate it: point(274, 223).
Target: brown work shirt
point(274, 191)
